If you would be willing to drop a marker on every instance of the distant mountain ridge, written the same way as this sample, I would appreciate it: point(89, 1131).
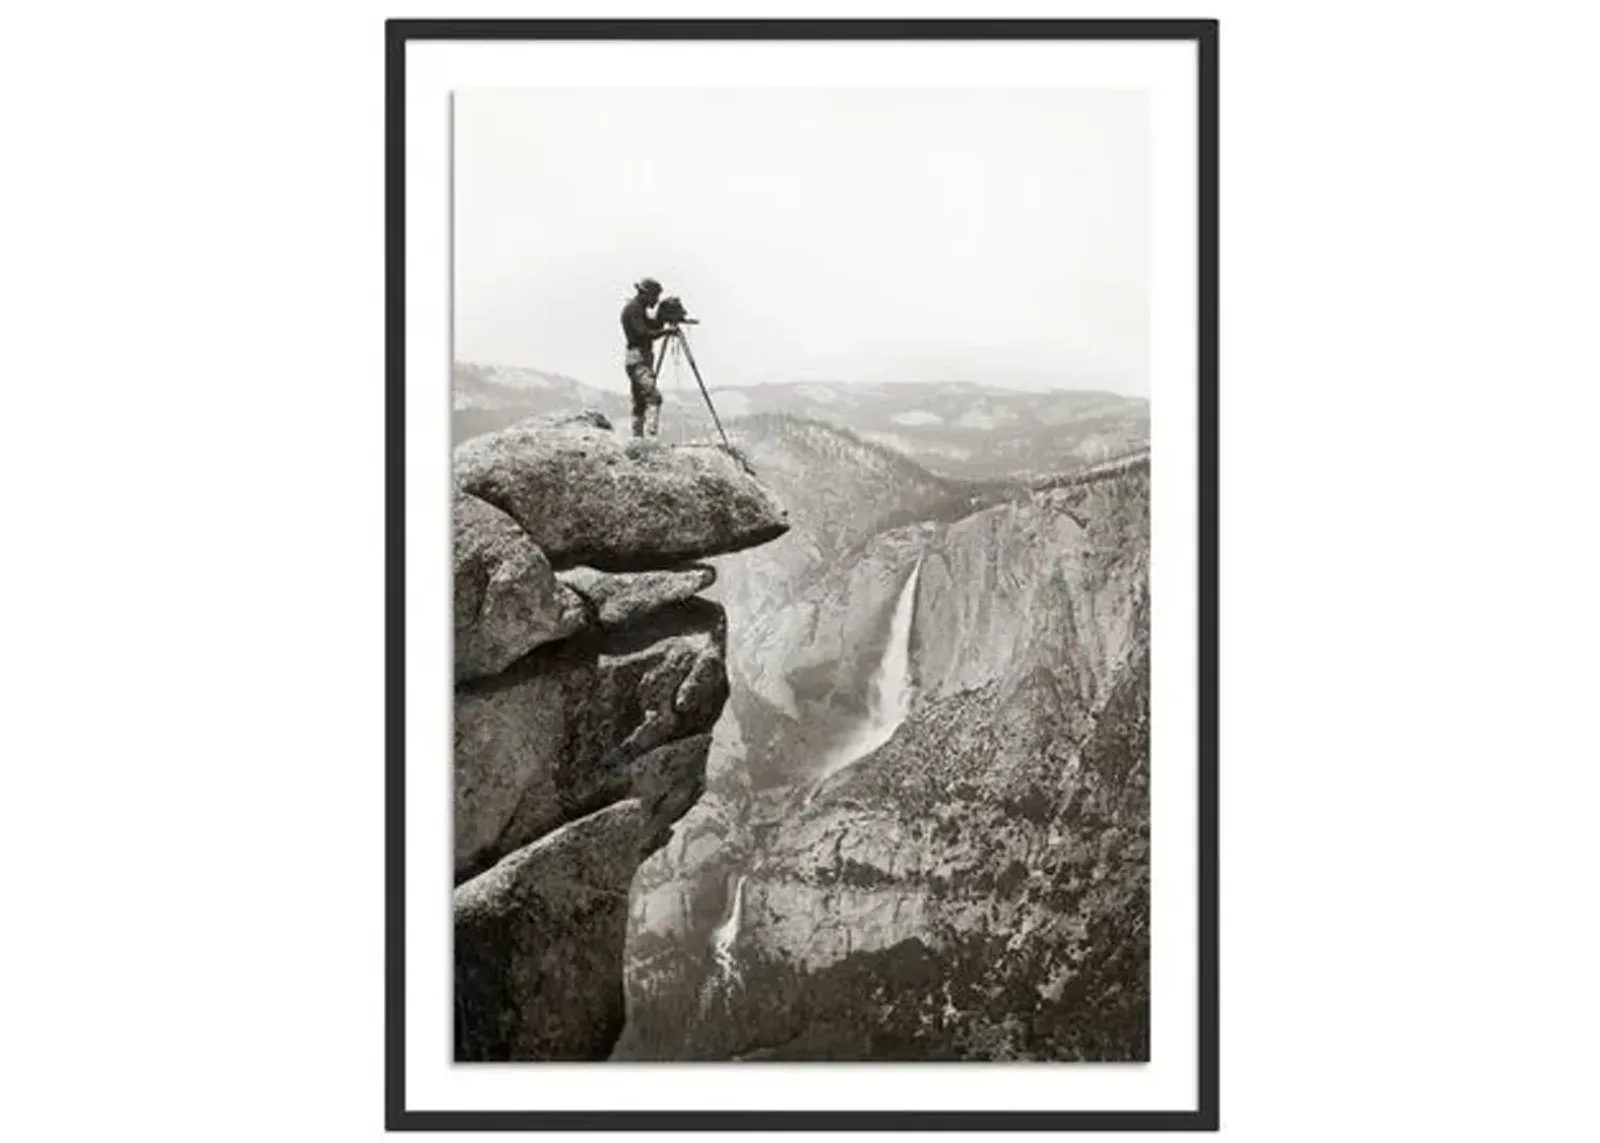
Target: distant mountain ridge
point(955, 429)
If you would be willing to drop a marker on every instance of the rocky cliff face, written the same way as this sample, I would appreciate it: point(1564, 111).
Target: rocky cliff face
point(975, 886)
point(589, 676)
point(1005, 823)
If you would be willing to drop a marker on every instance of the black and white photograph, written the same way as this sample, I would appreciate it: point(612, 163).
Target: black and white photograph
point(801, 512)
point(802, 533)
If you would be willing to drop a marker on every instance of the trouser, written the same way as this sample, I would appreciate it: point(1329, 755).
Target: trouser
point(646, 395)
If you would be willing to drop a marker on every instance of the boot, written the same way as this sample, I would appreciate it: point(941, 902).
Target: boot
point(653, 424)
point(638, 424)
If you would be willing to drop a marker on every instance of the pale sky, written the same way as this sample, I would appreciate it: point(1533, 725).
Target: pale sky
point(998, 236)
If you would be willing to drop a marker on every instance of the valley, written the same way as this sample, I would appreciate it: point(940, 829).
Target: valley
point(924, 829)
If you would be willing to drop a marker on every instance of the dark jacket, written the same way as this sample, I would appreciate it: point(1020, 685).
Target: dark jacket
point(638, 327)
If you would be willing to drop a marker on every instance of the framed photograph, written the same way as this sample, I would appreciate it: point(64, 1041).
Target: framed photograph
point(802, 576)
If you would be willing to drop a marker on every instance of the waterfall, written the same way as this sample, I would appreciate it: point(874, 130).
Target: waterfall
point(723, 936)
point(888, 702)
point(726, 970)
point(889, 696)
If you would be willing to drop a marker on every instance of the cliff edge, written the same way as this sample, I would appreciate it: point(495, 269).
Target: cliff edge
point(589, 672)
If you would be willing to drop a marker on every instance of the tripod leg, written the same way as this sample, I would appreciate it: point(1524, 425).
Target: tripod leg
point(683, 343)
point(653, 412)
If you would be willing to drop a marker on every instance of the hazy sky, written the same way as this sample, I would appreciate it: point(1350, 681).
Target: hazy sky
point(996, 235)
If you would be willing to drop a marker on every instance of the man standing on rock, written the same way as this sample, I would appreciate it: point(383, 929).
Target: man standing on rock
point(640, 330)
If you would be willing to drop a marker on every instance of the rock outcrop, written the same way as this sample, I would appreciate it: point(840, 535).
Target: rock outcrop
point(584, 705)
point(619, 600)
point(538, 943)
point(507, 599)
point(588, 497)
point(561, 731)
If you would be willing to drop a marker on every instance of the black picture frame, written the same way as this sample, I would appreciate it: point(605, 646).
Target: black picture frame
point(400, 32)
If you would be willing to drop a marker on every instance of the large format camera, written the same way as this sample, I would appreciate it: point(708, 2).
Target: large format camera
point(672, 312)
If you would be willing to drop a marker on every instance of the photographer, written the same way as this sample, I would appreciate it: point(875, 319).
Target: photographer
point(639, 330)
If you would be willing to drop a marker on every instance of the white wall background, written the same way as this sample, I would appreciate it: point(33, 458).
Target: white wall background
point(191, 628)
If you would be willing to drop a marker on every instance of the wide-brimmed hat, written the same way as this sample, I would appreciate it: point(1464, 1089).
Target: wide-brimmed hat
point(647, 286)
